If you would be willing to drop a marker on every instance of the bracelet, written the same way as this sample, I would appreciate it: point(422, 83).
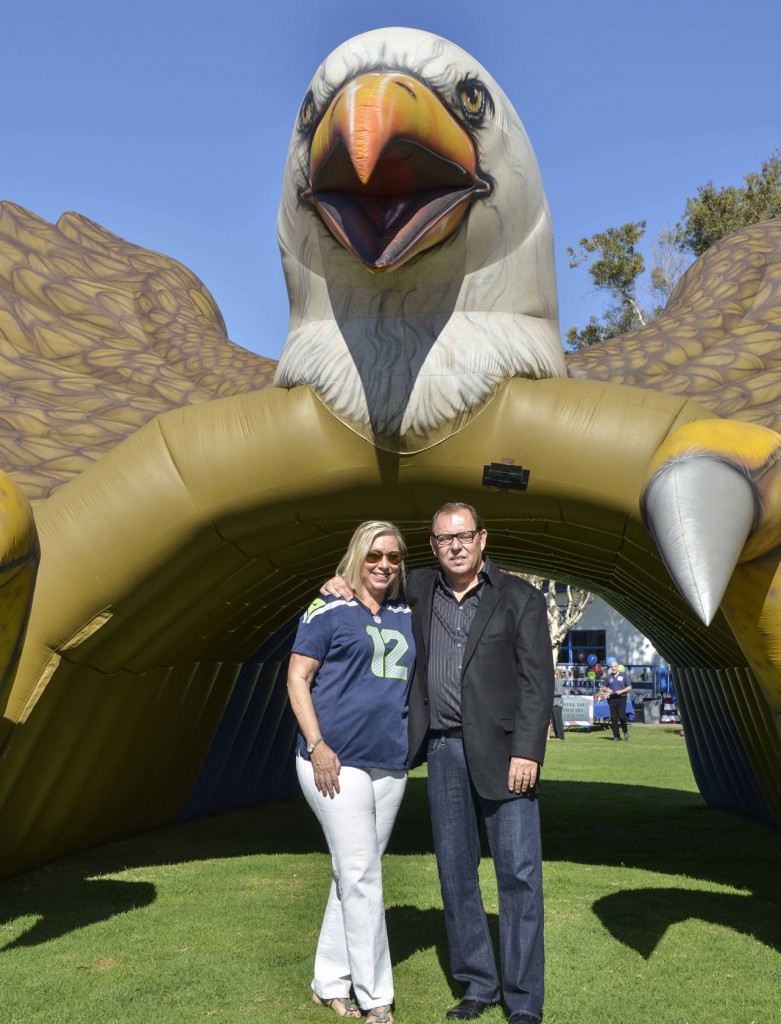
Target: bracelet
point(311, 746)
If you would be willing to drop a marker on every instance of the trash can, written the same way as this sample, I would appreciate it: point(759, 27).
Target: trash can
point(652, 711)
point(640, 712)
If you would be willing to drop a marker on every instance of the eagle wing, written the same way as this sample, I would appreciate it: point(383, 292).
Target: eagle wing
point(719, 338)
point(98, 336)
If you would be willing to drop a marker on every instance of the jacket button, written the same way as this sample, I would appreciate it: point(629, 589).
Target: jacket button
point(425, 701)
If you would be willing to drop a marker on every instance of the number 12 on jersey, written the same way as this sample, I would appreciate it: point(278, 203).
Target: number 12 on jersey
point(385, 659)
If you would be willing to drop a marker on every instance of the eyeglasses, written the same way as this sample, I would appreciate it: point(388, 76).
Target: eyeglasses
point(374, 557)
point(465, 537)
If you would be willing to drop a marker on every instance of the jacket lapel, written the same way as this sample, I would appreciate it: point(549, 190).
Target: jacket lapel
point(489, 599)
point(423, 609)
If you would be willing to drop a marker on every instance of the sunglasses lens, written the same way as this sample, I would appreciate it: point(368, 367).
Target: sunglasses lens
point(373, 557)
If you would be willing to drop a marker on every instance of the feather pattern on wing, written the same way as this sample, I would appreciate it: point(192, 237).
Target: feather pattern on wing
point(98, 336)
point(719, 338)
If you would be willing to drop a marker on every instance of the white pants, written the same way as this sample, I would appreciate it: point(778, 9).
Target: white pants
point(353, 944)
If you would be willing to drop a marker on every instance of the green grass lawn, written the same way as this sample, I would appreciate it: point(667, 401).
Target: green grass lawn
point(659, 909)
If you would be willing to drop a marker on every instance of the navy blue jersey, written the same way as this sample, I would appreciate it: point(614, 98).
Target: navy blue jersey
point(360, 690)
point(619, 681)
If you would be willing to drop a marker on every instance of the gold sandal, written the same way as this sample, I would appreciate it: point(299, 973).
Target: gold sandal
point(379, 1015)
point(342, 1006)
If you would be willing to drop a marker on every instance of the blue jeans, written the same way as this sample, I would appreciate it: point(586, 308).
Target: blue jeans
point(513, 829)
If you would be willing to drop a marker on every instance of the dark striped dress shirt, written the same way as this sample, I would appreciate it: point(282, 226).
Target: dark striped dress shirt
point(451, 621)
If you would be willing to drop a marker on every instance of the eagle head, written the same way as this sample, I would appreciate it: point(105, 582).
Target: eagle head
point(416, 241)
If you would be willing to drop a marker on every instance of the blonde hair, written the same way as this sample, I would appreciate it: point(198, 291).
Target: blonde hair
point(361, 544)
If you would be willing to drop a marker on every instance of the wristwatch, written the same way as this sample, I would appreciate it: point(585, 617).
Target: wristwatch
point(311, 746)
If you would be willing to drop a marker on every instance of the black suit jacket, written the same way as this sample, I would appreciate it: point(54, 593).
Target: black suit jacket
point(506, 681)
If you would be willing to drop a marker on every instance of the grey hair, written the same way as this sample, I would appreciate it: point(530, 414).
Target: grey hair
point(451, 507)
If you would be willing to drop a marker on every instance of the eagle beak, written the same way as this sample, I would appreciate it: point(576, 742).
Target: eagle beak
point(391, 171)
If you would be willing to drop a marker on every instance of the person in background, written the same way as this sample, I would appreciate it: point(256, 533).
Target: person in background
point(617, 685)
point(557, 716)
point(348, 682)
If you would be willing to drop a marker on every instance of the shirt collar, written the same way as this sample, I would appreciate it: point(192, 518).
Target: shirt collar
point(482, 577)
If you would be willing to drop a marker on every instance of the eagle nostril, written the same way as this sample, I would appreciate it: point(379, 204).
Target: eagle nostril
point(406, 86)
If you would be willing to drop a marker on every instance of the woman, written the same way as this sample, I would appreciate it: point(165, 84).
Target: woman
point(348, 681)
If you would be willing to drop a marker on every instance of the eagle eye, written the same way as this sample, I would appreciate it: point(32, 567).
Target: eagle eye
point(475, 100)
point(306, 115)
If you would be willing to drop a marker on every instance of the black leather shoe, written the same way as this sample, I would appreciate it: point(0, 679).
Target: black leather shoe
point(523, 1018)
point(468, 1009)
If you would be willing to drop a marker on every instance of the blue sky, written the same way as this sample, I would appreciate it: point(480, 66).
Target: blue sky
point(168, 122)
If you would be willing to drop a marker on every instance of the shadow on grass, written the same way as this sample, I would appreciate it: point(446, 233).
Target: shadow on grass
point(411, 930)
point(639, 918)
point(674, 833)
point(76, 903)
point(668, 831)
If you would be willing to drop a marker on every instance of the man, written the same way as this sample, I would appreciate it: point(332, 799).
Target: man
point(480, 705)
point(617, 686)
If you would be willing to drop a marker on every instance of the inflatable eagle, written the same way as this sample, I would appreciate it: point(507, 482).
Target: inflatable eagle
point(180, 498)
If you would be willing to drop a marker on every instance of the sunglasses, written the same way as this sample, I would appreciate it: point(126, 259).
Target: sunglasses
point(374, 557)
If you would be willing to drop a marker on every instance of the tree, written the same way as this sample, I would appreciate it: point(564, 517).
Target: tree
point(616, 266)
point(668, 265)
point(615, 270)
point(561, 618)
point(717, 212)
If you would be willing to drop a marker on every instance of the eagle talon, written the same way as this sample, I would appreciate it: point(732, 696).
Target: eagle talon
point(710, 503)
point(700, 512)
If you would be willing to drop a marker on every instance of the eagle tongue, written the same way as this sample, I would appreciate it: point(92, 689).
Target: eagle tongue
point(426, 221)
point(381, 230)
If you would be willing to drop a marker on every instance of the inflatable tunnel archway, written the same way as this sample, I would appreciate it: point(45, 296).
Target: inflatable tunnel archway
point(159, 694)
